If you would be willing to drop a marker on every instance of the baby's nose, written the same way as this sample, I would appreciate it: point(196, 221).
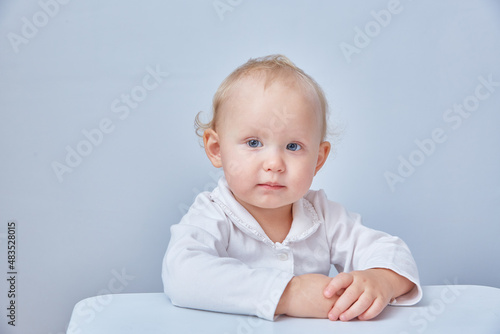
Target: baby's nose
point(274, 163)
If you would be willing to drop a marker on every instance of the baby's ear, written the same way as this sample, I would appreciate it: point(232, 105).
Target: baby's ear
point(324, 150)
point(212, 147)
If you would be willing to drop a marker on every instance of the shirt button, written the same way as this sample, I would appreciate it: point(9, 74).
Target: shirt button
point(283, 256)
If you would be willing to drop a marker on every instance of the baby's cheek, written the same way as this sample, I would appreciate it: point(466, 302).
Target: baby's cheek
point(233, 169)
point(305, 178)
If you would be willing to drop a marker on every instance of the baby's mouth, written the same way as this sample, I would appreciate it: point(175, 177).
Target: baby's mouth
point(271, 185)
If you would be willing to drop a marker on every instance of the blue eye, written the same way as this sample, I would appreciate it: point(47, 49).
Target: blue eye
point(254, 143)
point(293, 147)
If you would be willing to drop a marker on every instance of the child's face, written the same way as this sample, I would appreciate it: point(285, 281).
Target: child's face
point(268, 142)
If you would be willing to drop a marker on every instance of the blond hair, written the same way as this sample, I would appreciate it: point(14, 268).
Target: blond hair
point(274, 67)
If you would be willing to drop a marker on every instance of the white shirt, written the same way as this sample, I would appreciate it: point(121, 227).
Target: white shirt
point(220, 259)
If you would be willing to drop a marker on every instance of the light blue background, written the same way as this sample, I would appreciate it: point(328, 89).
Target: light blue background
point(105, 227)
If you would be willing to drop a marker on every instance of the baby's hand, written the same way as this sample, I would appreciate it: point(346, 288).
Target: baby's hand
point(304, 297)
point(366, 294)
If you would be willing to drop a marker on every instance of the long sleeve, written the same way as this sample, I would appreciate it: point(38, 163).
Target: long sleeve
point(199, 273)
point(357, 247)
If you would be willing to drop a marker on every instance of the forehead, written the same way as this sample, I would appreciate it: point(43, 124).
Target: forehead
point(265, 79)
point(271, 88)
point(256, 99)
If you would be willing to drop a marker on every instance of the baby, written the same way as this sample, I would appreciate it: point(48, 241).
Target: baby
point(262, 243)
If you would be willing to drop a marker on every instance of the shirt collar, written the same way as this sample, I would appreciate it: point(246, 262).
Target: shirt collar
point(305, 219)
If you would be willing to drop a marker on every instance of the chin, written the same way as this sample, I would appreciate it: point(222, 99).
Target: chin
point(271, 206)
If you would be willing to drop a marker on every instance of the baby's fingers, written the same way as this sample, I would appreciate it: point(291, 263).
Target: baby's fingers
point(375, 309)
point(338, 284)
point(360, 306)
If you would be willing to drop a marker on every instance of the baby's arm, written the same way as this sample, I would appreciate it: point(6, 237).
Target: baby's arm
point(367, 293)
point(303, 297)
point(198, 273)
point(359, 254)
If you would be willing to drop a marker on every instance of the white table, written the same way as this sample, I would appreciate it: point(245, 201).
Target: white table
point(444, 309)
